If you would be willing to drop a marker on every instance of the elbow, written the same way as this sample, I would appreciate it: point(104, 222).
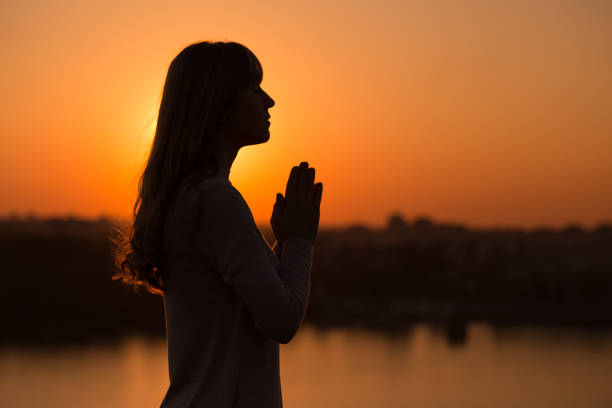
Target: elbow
point(281, 333)
point(286, 328)
point(285, 336)
point(293, 321)
point(283, 324)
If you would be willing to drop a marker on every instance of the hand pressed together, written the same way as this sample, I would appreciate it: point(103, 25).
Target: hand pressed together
point(297, 213)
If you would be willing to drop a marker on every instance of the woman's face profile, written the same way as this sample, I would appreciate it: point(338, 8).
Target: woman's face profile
point(247, 120)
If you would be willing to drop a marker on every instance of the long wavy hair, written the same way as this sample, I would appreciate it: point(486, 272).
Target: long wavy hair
point(200, 87)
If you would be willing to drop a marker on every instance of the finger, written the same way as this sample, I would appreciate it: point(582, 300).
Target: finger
point(291, 189)
point(310, 177)
point(318, 193)
point(300, 191)
point(302, 182)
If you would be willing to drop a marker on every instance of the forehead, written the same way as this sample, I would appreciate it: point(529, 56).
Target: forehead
point(255, 70)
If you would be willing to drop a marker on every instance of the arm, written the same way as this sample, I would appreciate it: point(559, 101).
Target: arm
point(229, 238)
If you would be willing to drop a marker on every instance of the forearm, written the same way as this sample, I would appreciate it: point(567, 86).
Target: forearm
point(295, 274)
point(279, 308)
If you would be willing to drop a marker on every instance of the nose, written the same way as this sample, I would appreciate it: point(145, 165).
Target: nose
point(269, 102)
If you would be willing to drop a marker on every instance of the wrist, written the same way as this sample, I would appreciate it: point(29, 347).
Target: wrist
point(278, 248)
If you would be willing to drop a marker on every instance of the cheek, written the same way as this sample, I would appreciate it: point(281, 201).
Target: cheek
point(247, 129)
point(244, 112)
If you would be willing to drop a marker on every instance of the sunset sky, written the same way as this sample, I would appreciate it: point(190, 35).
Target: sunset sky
point(477, 112)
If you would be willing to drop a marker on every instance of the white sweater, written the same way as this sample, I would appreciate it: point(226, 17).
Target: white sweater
point(228, 301)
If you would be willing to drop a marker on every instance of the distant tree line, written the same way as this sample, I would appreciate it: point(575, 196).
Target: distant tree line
point(57, 285)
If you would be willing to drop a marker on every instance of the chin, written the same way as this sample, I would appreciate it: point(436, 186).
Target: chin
point(265, 139)
point(261, 139)
point(265, 136)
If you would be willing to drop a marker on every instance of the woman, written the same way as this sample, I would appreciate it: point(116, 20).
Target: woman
point(229, 298)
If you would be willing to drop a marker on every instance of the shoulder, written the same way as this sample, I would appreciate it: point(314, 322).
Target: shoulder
point(211, 193)
point(194, 188)
point(212, 205)
point(215, 189)
point(218, 197)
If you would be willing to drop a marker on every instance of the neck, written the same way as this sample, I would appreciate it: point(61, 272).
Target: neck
point(226, 155)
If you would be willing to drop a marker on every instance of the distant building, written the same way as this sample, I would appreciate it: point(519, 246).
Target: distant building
point(422, 222)
point(396, 223)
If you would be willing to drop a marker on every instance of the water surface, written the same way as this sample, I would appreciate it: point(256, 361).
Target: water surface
point(531, 367)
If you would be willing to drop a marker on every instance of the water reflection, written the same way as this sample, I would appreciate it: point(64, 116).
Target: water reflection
point(428, 366)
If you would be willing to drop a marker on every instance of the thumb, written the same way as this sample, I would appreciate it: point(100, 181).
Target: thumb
point(275, 207)
point(278, 204)
point(281, 201)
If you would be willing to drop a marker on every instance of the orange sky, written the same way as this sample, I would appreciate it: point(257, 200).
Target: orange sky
point(488, 113)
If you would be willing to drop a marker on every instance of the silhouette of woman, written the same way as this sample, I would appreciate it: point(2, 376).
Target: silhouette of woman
point(229, 298)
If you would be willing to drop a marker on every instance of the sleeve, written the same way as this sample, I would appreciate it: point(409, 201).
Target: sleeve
point(229, 238)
